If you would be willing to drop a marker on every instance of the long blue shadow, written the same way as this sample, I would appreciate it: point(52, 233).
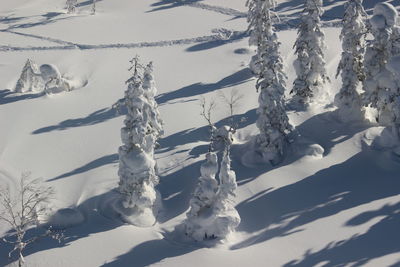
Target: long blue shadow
point(8, 96)
point(96, 117)
point(109, 159)
point(236, 78)
point(380, 240)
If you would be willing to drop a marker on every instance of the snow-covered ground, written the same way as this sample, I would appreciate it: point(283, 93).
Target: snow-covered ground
point(341, 208)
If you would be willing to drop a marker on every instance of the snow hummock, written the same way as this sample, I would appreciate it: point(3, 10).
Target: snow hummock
point(66, 218)
point(384, 13)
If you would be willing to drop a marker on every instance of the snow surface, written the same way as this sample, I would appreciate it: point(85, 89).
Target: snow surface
point(338, 206)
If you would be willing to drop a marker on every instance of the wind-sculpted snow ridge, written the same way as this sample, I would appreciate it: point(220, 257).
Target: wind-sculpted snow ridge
point(226, 35)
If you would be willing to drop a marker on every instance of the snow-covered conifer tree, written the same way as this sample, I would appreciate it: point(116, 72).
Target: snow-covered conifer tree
point(350, 67)
point(227, 217)
point(200, 215)
point(30, 79)
point(310, 63)
point(150, 91)
point(71, 5)
point(258, 16)
point(380, 86)
point(272, 119)
point(94, 7)
point(136, 155)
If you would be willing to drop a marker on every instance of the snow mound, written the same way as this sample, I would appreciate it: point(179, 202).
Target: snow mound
point(308, 148)
point(382, 138)
point(142, 217)
point(66, 218)
point(387, 11)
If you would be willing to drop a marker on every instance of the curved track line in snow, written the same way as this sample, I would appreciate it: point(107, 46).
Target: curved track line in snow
point(219, 9)
point(235, 35)
point(53, 40)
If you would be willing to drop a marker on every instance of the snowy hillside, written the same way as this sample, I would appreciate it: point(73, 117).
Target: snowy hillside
point(340, 207)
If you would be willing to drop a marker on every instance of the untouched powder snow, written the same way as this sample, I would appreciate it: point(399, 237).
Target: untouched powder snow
point(333, 201)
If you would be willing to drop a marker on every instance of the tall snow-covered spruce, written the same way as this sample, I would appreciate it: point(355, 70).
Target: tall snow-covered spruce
point(350, 67)
point(272, 121)
point(382, 84)
point(259, 12)
point(310, 63)
point(137, 166)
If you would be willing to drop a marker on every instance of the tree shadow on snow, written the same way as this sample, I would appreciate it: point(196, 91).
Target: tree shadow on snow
point(381, 239)
point(325, 130)
point(8, 96)
point(194, 135)
point(149, 253)
point(168, 4)
point(105, 160)
point(357, 181)
point(234, 79)
point(96, 117)
point(321, 129)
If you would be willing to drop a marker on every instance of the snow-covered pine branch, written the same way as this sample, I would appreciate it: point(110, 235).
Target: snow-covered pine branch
point(310, 63)
point(350, 67)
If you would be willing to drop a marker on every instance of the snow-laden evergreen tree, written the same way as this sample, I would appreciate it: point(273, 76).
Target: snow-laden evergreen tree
point(200, 215)
point(71, 5)
point(94, 7)
point(150, 91)
point(272, 121)
point(227, 217)
point(136, 156)
point(310, 63)
point(381, 87)
point(258, 16)
point(30, 79)
point(350, 67)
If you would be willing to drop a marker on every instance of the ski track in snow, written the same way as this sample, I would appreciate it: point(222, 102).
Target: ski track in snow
point(235, 35)
point(285, 23)
point(219, 9)
point(53, 40)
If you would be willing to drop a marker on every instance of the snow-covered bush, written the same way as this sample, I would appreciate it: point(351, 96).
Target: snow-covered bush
point(310, 63)
point(350, 67)
point(258, 17)
point(70, 5)
point(382, 88)
point(136, 156)
point(30, 79)
point(23, 210)
point(272, 121)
